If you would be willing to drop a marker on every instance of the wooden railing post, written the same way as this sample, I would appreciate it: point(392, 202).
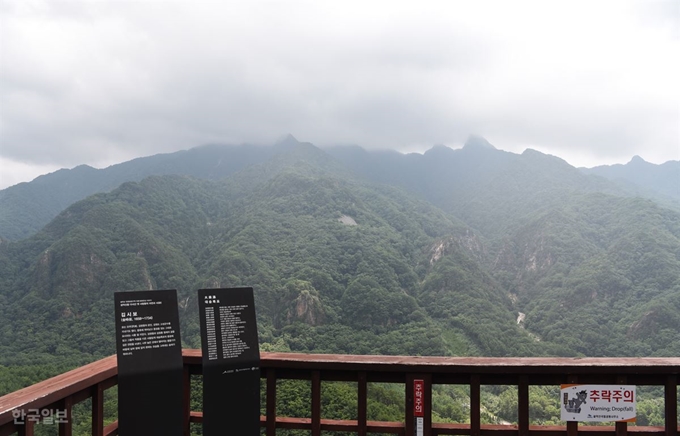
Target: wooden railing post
point(66, 428)
point(621, 427)
point(409, 423)
point(186, 399)
point(671, 404)
point(427, 404)
point(362, 402)
point(523, 405)
point(97, 410)
point(572, 426)
point(475, 406)
point(26, 429)
point(271, 402)
point(316, 403)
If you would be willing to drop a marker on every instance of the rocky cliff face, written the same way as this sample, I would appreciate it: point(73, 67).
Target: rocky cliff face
point(306, 308)
point(467, 241)
point(302, 304)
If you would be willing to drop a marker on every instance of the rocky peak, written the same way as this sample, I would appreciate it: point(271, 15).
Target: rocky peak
point(637, 160)
point(288, 142)
point(467, 241)
point(478, 142)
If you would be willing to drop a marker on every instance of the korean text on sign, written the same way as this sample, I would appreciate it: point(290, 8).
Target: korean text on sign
point(598, 403)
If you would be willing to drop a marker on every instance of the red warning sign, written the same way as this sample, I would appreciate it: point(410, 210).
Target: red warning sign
point(418, 397)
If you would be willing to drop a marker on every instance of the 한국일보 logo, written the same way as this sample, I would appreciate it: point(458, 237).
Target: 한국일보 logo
point(598, 403)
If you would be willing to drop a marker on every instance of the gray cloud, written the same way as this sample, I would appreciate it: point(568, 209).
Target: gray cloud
point(98, 82)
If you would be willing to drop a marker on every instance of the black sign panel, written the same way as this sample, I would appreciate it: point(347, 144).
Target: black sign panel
point(149, 363)
point(231, 362)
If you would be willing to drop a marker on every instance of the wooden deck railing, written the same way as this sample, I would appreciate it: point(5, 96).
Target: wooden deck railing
point(90, 381)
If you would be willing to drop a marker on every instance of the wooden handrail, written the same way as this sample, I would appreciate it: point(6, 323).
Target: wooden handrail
point(61, 393)
point(51, 391)
point(90, 381)
point(477, 365)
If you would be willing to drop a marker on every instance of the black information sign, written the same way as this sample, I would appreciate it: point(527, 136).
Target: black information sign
point(149, 363)
point(231, 362)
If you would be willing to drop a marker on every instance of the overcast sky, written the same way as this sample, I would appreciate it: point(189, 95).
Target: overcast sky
point(100, 82)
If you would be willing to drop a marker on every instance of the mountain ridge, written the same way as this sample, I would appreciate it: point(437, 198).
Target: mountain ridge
point(26, 207)
point(277, 226)
point(661, 182)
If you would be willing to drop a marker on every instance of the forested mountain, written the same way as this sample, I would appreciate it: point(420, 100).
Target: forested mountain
point(491, 190)
point(338, 265)
point(597, 274)
point(661, 182)
point(27, 207)
point(341, 263)
point(474, 182)
point(467, 252)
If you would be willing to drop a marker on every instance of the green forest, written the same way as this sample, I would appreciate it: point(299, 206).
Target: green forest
point(404, 258)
